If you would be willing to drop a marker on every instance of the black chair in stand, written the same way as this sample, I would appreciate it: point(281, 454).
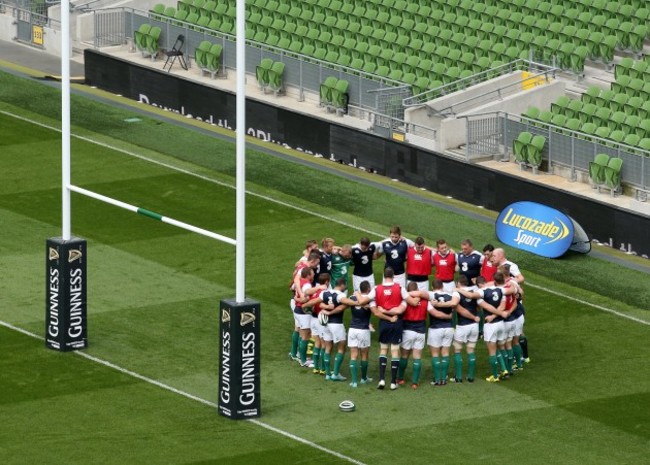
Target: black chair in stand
point(174, 53)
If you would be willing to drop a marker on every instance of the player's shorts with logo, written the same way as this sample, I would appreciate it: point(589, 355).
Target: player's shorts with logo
point(412, 340)
point(466, 333)
point(494, 332)
point(334, 332)
point(359, 338)
point(440, 337)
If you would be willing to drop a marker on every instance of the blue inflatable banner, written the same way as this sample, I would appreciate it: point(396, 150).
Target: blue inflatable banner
point(535, 228)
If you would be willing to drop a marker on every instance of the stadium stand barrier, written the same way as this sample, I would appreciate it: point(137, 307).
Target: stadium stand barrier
point(568, 153)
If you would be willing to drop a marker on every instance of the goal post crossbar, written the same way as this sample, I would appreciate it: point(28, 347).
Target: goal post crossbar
point(151, 214)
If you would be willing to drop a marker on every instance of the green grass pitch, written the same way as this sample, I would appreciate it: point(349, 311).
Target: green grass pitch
point(153, 311)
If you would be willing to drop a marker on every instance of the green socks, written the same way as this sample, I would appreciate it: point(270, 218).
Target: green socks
point(295, 341)
point(444, 368)
point(354, 365)
point(364, 369)
point(326, 360)
point(519, 355)
point(471, 366)
point(510, 359)
point(417, 367)
point(494, 364)
point(435, 364)
point(338, 360)
point(458, 365)
point(302, 347)
point(315, 356)
point(403, 362)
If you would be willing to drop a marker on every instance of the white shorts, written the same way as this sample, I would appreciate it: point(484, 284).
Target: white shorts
point(303, 321)
point(334, 332)
point(357, 280)
point(359, 338)
point(400, 279)
point(519, 325)
point(494, 332)
point(440, 337)
point(422, 285)
point(316, 327)
point(466, 333)
point(412, 340)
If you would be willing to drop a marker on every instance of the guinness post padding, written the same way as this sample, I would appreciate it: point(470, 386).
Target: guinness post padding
point(239, 359)
point(65, 294)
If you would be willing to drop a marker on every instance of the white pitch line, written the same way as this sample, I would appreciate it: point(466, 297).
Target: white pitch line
point(300, 209)
point(584, 302)
point(188, 396)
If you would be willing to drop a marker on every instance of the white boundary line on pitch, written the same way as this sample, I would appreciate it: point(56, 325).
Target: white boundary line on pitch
point(187, 395)
point(300, 209)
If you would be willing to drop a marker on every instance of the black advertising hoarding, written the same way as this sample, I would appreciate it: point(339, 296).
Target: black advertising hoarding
point(65, 294)
point(239, 359)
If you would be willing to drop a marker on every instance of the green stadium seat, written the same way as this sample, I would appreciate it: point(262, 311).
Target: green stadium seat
point(623, 67)
point(591, 94)
point(213, 59)
point(578, 59)
point(644, 145)
point(262, 72)
point(326, 89)
point(617, 120)
point(534, 151)
point(602, 116)
point(558, 120)
point(572, 124)
point(602, 132)
point(276, 77)
point(395, 74)
point(621, 83)
point(633, 105)
point(573, 108)
point(151, 42)
point(588, 130)
point(636, 38)
point(613, 174)
point(421, 85)
point(532, 112)
point(638, 69)
point(606, 48)
point(158, 11)
point(560, 104)
point(564, 54)
point(200, 55)
point(140, 36)
point(520, 145)
point(630, 124)
point(618, 101)
point(587, 112)
point(643, 128)
point(632, 140)
point(597, 169)
point(545, 117)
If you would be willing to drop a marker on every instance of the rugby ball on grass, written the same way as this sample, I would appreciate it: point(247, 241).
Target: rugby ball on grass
point(347, 406)
point(323, 319)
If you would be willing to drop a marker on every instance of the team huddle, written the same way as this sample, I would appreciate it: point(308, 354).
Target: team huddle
point(484, 300)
